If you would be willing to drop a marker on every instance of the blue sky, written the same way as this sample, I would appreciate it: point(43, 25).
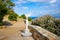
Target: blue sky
point(37, 7)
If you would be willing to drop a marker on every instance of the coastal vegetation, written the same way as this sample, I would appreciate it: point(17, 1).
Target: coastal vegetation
point(13, 17)
point(5, 8)
point(48, 22)
point(24, 17)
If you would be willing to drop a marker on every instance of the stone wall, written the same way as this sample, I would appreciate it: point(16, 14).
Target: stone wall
point(39, 33)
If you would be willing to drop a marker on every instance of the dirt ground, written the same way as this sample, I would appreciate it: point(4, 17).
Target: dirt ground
point(13, 30)
point(12, 34)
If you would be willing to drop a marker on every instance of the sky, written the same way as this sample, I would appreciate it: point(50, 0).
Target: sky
point(37, 7)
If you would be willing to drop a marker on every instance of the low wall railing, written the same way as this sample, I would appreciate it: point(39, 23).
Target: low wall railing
point(39, 33)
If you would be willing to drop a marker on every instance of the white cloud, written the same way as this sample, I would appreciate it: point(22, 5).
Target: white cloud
point(25, 8)
point(20, 1)
point(53, 1)
point(37, 0)
point(15, 8)
point(25, 1)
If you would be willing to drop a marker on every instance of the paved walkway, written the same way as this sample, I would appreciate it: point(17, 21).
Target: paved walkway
point(12, 35)
point(13, 31)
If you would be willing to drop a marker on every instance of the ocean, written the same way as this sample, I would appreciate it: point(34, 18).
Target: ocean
point(33, 17)
point(37, 17)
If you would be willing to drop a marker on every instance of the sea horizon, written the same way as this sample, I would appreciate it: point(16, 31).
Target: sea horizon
point(38, 17)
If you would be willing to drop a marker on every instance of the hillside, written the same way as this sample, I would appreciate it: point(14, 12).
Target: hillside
point(13, 24)
point(49, 23)
point(12, 30)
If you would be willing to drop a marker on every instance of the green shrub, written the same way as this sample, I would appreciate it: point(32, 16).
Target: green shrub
point(23, 16)
point(4, 6)
point(30, 19)
point(48, 22)
point(13, 17)
point(1, 23)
